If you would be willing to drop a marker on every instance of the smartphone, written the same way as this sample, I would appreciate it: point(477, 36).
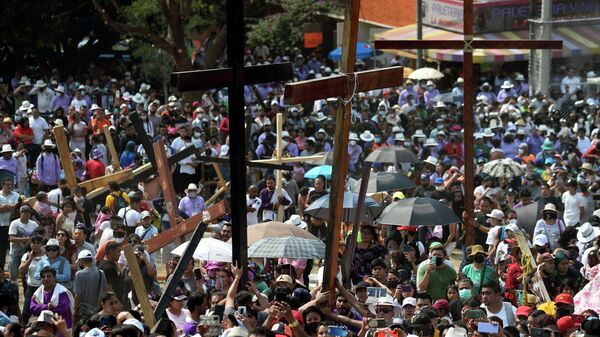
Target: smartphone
point(281, 297)
point(377, 323)
point(474, 313)
point(337, 331)
point(406, 288)
point(487, 327)
point(198, 274)
point(242, 310)
point(538, 332)
point(375, 292)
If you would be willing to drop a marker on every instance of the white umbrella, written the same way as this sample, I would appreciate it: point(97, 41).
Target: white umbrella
point(503, 168)
point(290, 247)
point(208, 249)
point(426, 74)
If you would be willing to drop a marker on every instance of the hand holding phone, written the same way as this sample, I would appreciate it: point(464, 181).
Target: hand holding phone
point(487, 327)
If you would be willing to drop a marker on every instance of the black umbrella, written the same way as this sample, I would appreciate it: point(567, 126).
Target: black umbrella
point(392, 155)
point(418, 212)
point(386, 181)
point(320, 208)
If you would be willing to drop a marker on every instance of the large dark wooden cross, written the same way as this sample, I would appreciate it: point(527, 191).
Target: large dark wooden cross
point(343, 86)
point(235, 77)
point(468, 44)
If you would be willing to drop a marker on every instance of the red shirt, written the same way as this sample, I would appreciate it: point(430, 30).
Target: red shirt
point(95, 168)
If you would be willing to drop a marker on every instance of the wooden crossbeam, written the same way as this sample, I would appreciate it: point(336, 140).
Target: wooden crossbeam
point(65, 156)
point(110, 145)
point(175, 232)
point(287, 160)
point(138, 285)
point(311, 90)
point(263, 163)
point(475, 44)
point(101, 182)
point(219, 78)
point(166, 181)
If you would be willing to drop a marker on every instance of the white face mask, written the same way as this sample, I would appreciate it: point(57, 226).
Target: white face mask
point(192, 194)
point(119, 240)
point(439, 187)
point(521, 151)
point(580, 120)
point(144, 117)
point(439, 127)
point(197, 134)
point(352, 142)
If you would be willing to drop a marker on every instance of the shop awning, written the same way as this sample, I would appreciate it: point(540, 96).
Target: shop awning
point(577, 41)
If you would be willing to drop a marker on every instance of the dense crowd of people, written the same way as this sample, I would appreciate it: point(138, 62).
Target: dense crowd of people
point(63, 252)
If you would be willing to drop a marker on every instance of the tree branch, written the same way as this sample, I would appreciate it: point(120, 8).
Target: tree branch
point(135, 30)
point(186, 5)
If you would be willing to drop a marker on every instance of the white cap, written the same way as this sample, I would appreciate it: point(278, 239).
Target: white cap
point(540, 240)
point(409, 301)
point(496, 214)
point(135, 323)
point(84, 254)
point(95, 332)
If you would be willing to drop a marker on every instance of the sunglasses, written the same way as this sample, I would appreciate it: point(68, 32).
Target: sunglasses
point(383, 311)
point(52, 249)
point(133, 242)
point(61, 234)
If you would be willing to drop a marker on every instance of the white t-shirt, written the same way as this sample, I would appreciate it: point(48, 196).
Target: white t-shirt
point(572, 204)
point(503, 313)
point(130, 216)
point(77, 103)
point(55, 196)
point(179, 320)
point(252, 217)
point(31, 280)
point(107, 234)
point(17, 228)
point(38, 125)
point(493, 235)
point(139, 230)
point(10, 199)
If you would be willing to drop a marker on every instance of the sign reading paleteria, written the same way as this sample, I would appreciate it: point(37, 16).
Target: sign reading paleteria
point(500, 15)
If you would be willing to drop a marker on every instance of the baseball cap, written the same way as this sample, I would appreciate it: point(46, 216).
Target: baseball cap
point(145, 214)
point(524, 310)
point(95, 332)
point(398, 195)
point(409, 301)
point(566, 323)
point(442, 304)
point(178, 295)
point(284, 278)
point(540, 240)
point(134, 322)
point(84, 254)
point(563, 298)
point(439, 181)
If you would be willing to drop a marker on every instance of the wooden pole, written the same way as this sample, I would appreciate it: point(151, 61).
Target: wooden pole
point(235, 59)
point(178, 272)
point(138, 285)
point(340, 151)
point(65, 156)
point(114, 156)
point(138, 125)
point(166, 182)
point(468, 124)
point(278, 174)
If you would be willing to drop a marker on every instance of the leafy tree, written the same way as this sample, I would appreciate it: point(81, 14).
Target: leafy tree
point(167, 24)
point(284, 29)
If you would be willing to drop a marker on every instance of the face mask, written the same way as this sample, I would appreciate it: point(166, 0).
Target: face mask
point(82, 92)
point(444, 116)
point(82, 333)
point(465, 294)
point(407, 144)
point(478, 258)
point(119, 240)
point(439, 188)
point(352, 142)
point(439, 127)
point(192, 194)
point(377, 139)
point(521, 151)
point(311, 328)
point(197, 134)
point(429, 88)
point(409, 87)
point(562, 312)
point(382, 112)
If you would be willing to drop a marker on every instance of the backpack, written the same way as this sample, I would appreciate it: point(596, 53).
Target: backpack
point(120, 202)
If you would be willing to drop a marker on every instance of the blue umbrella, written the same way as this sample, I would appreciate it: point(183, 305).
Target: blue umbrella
point(314, 172)
point(363, 51)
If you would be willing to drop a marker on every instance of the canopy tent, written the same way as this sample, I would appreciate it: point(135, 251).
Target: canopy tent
point(577, 41)
point(363, 51)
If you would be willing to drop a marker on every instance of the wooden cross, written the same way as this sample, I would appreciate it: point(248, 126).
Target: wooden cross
point(110, 145)
point(138, 125)
point(65, 156)
point(468, 45)
point(338, 86)
point(279, 159)
point(235, 77)
point(138, 285)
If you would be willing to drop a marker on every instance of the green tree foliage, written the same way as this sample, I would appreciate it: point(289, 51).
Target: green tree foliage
point(284, 30)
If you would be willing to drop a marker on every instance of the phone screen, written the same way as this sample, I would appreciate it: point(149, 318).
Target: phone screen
point(198, 274)
point(486, 327)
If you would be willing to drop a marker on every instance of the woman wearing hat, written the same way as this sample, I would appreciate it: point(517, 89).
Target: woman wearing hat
point(550, 225)
point(477, 270)
point(56, 261)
